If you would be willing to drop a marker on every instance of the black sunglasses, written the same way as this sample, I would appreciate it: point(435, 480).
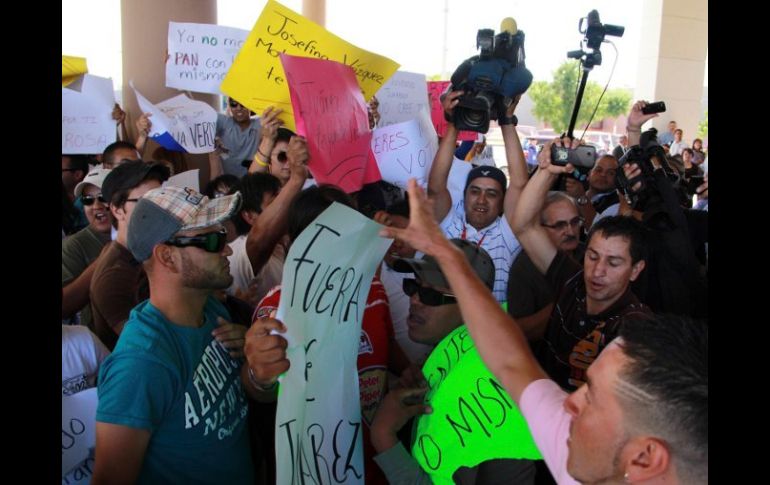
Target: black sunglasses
point(212, 242)
point(234, 104)
point(90, 199)
point(427, 296)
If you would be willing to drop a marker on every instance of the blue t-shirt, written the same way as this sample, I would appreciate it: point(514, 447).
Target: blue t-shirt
point(181, 385)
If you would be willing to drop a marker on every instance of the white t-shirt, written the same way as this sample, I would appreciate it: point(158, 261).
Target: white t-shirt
point(243, 274)
point(81, 355)
point(497, 239)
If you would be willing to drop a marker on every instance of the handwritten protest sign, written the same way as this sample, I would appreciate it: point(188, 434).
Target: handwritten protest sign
point(71, 68)
point(200, 55)
point(185, 179)
point(331, 113)
point(473, 419)
point(81, 474)
point(181, 124)
point(78, 425)
point(402, 98)
point(86, 115)
point(326, 281)
point(256, 78)
point(404, 151)
point(435, 89)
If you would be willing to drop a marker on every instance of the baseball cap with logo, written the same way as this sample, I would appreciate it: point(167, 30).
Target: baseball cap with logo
point(165, 211)
point(428, 270)
point(95, 177)
point(487, 171)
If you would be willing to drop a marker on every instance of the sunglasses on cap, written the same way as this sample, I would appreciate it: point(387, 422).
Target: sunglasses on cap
point(427, 296)
point(90, 199)
point(212, 242)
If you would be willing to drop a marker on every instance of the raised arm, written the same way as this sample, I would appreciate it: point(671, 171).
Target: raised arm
point(270, 124)
point(272, 223)
point(143, 126)
point(442, 162)
point(514, 155)
point(635, 121)
point(499, 340)
point(526, 217)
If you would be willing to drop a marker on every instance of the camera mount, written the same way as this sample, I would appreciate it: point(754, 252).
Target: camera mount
point(594, 36)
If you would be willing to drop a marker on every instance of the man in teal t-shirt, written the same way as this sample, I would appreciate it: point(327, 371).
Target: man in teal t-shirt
point(172, 407)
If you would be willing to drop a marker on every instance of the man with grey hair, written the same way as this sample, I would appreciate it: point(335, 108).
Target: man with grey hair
point(172, 407)
point(529, 295)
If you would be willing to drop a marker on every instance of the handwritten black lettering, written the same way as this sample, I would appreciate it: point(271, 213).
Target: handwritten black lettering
point(484, 384)
point(428, 446)
point(351, 448)
point(462, 406)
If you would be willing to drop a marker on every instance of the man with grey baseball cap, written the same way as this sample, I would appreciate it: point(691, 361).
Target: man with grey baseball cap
point(434, 314)
point(172, 407)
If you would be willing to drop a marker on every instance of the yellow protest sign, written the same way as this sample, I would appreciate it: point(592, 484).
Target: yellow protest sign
point(71, 68)
point(256, 78)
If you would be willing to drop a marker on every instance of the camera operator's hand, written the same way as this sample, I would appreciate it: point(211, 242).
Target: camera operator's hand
point(636, 118)
point(574, 187)
point(632, 170)
point(449, 101)
point(544, 157)
point(512, 108)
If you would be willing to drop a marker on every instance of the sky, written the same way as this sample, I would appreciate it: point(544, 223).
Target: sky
point(410, 32)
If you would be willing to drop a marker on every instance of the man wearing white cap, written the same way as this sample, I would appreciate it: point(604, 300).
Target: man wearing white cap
point(172, 407)
point(79, 250)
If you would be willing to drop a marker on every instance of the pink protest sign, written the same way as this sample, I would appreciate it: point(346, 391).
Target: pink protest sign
point(435, 88)
point(330, 112)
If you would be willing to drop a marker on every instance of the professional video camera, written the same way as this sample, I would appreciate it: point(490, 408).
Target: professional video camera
point(648, 155)
point(491, 79)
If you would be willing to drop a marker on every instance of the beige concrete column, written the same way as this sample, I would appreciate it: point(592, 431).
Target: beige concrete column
point(672, 58)
point(144, 25)
point(315, 10)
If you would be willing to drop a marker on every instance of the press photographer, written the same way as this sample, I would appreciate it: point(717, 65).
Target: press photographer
point(673, 282)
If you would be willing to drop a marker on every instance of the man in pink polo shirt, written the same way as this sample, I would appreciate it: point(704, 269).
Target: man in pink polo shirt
point(641, 417)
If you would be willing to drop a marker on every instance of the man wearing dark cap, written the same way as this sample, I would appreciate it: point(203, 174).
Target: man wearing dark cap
point(434, 314)
point(118, 283)
point(477, 216)
point(172, 407)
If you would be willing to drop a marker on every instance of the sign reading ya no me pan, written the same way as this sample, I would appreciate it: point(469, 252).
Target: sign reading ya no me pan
point(256, 78)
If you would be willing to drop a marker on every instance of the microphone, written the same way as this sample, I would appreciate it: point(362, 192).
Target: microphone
point(509, 25)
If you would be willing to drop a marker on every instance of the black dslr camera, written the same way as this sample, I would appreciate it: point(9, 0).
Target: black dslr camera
point(491, 79)
point(646, 155)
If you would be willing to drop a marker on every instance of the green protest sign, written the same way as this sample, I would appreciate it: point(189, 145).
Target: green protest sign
point(473, 419)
